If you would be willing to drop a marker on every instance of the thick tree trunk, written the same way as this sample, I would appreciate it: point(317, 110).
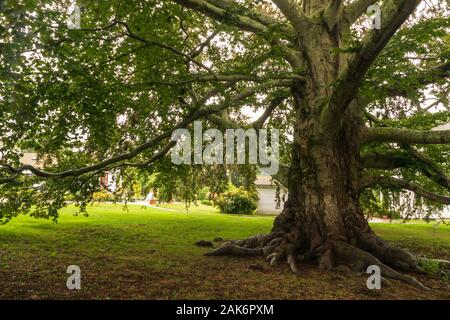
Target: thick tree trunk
point(322, 207)
point(322, 220)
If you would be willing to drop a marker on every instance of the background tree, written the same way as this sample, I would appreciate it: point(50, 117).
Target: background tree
point(109, 95)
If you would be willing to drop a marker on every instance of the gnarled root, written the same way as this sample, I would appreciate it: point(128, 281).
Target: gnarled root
point(234, 250)
point(274, 248)
point(358, 260)
point(292, 262)
point(394, 257)
point(371, 250)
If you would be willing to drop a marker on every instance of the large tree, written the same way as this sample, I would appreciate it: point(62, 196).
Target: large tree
point(354, 100)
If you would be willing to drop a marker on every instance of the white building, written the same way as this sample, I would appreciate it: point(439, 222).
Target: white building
point(266, 189)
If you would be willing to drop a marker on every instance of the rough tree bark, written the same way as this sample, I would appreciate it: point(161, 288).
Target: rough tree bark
point(322, 220)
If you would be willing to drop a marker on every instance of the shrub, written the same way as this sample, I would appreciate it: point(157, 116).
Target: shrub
point(203, 194)
point(137, 190)
point(102, 196)
point(237, 201)
point(206, 202)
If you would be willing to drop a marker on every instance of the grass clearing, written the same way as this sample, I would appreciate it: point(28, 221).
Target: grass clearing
point(147, 253)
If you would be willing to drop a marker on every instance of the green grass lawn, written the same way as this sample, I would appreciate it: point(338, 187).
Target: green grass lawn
point(146, 253)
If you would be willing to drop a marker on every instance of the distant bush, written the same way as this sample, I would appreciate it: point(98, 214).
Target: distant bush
point(137, 190)
point(206, 202)
point(203, 194)
point(237, 201)
point(102, 196)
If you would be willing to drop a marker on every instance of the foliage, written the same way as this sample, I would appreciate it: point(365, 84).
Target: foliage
point(204, 194)
point(433, 268)
point(80, 97)
point(137, 190)
point(102, 196)
point(206, 202)
point(237, 201)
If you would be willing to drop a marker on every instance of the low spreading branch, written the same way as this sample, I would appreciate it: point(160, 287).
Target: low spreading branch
point(428, 167)
point(402, 184)
point(412, 159)
point(214, 77)
point(200, 112)
point(409, 136)
point(386, 161)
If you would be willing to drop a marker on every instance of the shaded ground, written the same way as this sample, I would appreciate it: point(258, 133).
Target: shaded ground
point(146, 253)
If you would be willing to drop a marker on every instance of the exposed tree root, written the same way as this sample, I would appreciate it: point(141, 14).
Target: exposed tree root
point(388, 254)
point(359, 260)
point(234, 250)
point(293, 264)
point(371, 250)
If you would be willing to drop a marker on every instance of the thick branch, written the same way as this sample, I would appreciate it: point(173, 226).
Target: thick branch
point(244, 23)
point(402, 184)
point(281, 96)
point(428, 167)
point(214, 77)
point(264, 19)
point(357, 8)
point(221, 14)
point(386, 161)
point(394, 14)
point(414, 159)
point(410, 136)
point(196, 114)
point(293, 13)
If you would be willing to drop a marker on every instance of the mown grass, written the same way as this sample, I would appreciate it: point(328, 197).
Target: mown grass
point(146, 253)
